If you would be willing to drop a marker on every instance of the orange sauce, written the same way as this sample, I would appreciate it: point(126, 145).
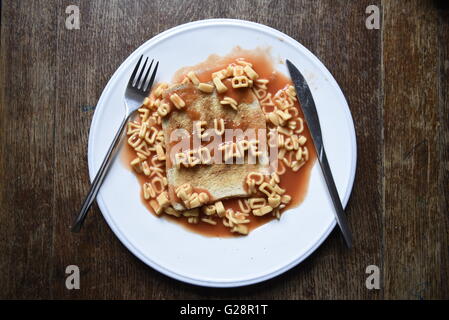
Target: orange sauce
point(295, 183)
point(193, 114)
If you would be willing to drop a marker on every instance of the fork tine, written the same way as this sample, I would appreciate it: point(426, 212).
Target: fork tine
point(131, 79)
point(153, 75)
point(145, 78)
point(137, 85)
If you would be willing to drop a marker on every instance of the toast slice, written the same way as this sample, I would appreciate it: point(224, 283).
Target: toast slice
point(219, 180)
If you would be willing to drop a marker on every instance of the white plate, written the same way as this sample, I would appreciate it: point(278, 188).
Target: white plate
point(267, 251)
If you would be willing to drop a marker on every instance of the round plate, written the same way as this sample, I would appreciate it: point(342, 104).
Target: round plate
point(267, 251)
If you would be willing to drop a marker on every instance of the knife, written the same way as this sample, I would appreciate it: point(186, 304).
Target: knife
point(313, 123)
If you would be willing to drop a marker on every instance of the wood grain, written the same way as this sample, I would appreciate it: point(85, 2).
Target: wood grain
point(396, 81)
point(28, 46)
point(415, 228)
point(443, 144)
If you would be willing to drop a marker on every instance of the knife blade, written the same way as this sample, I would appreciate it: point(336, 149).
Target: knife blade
point(313, 123)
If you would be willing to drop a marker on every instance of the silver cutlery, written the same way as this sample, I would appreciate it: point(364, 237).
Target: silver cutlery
point(137, 90)
point(311, 116)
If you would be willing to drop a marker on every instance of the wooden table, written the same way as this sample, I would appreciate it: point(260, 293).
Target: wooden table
point(395, 79)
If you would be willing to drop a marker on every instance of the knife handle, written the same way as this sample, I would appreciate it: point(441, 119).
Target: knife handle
point(340, 215)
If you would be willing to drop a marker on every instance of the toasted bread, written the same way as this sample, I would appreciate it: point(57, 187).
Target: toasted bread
point(222, 180)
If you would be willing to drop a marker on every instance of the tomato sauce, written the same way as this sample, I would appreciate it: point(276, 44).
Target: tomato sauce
point(295, 183)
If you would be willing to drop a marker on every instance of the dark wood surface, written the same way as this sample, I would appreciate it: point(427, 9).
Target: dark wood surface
point(395, 79)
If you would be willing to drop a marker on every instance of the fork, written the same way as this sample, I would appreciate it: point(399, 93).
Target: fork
point(136, 91)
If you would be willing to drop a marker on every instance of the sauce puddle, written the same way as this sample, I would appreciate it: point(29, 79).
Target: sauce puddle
point(295, 183)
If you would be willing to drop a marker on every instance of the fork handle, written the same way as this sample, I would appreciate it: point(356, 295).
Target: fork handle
point(99, 178)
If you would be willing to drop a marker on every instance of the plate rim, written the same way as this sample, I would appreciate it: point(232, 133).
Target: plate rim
point(246, 24)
